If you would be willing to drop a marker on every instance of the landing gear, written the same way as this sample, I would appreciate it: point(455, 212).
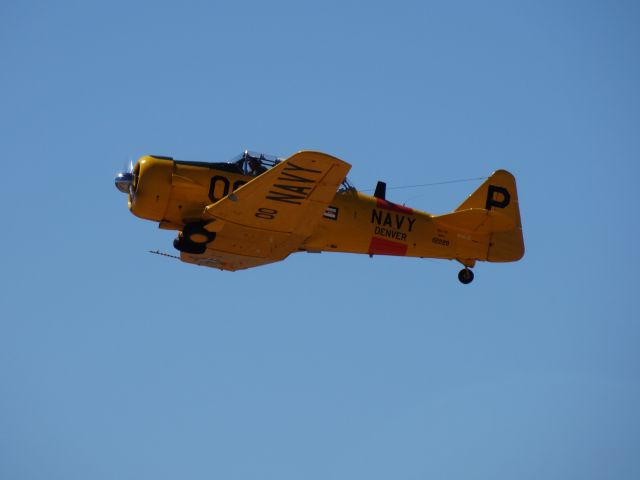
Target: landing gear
point(465, 276)
point(194, 238)
point(181, 244)
point(196, 233)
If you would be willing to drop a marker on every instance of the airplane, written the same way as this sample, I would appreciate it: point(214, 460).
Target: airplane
point(258, 209)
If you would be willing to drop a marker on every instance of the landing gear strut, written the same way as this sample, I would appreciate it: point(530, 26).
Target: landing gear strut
point(465, 276)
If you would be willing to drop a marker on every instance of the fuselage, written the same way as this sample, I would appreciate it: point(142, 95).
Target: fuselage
point(175, 193)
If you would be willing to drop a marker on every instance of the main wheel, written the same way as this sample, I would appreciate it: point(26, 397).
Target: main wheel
point(181, 244)
point(465, 276)
point(196, 233)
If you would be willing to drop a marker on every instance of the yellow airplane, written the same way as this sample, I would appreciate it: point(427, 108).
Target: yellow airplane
point(259, 209)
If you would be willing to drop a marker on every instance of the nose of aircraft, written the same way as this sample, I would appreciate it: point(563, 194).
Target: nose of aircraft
point(147, 185)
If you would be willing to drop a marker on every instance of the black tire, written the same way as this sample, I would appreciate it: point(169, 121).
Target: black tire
point(183, 245)
point(196, 233)
point(465, 276)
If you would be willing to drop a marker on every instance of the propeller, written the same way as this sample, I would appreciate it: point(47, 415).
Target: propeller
point(124, 179)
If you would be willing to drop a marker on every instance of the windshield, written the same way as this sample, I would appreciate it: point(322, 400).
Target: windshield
point(247, 160)
point(346, 186)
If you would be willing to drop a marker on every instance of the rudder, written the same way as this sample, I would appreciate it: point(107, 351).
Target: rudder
point(499, 193)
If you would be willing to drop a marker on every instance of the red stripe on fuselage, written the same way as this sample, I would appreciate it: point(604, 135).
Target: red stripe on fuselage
point(382, 246)
point(393, 207)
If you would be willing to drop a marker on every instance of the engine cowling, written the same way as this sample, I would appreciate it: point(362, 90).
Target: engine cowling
point(151, 188)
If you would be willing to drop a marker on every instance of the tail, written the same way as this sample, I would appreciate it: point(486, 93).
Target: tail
point(492, 209)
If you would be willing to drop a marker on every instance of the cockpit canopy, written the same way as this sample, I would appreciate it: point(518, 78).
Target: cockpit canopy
point(245, 163)
point(346, 186)
point(244, 160)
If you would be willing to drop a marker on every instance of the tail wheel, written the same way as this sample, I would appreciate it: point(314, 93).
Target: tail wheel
point(197, 234)
point(181, 244)
point(465, 276)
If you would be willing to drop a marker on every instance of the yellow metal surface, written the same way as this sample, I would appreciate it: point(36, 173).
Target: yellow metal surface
point(289, 198)
point(152, 188)
point(295, 206)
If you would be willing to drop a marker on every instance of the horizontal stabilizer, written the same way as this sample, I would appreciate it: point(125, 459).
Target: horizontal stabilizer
point(476, 220)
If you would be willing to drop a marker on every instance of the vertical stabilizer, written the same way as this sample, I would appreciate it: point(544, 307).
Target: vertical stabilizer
point(499, 193)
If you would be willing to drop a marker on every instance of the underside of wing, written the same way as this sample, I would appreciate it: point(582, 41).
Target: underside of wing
point(237, 247)
point(226, 261)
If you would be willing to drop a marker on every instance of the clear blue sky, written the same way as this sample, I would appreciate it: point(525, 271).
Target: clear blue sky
point(115, 363)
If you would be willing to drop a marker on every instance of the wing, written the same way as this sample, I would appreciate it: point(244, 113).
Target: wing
point(289, 198)
point(268, 218)
point(225, 261)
